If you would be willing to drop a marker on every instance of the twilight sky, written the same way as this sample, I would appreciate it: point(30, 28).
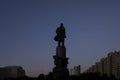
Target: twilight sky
point(27, 29)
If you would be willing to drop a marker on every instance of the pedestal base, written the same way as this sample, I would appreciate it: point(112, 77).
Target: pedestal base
point(60, 71)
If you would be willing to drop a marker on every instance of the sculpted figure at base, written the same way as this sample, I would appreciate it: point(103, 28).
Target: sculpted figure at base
point(60, 31)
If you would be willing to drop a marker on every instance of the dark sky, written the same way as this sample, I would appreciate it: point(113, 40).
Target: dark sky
point(27, 29)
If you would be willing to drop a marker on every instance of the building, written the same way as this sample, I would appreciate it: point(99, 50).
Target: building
point(11, 72)
point(75, 71)
point(60, 71)
point(109, 65)
point(114, 64)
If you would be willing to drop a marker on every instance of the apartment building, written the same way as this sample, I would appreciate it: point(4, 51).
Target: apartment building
point(75, 71)
point(12, 72)
point(109, 65)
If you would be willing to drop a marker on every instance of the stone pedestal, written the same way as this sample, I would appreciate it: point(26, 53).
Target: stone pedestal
point(60, 71)
point(61, 51)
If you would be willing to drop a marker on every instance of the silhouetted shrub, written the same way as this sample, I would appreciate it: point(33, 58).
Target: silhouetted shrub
point(41, 77)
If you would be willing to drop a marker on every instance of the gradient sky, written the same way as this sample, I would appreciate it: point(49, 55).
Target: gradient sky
point(27, 29)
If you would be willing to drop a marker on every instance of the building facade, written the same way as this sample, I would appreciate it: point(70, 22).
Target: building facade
point(11, 72)
point(109, 65)
point(75, 71)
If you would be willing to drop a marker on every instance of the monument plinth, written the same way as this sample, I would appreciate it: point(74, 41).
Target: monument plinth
point(60, 71)
point(61, 51)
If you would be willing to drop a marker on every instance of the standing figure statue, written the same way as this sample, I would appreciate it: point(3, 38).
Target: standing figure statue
point(60, 31)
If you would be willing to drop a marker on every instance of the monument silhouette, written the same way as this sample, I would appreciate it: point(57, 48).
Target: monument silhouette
point(60, 71)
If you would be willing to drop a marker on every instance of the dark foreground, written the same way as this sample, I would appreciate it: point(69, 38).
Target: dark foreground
point(81, 77)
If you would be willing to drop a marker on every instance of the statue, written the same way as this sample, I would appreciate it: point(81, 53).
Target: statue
point(60, 31)
point(60, 71)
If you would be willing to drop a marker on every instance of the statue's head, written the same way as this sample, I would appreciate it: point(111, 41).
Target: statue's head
point(61, 24)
